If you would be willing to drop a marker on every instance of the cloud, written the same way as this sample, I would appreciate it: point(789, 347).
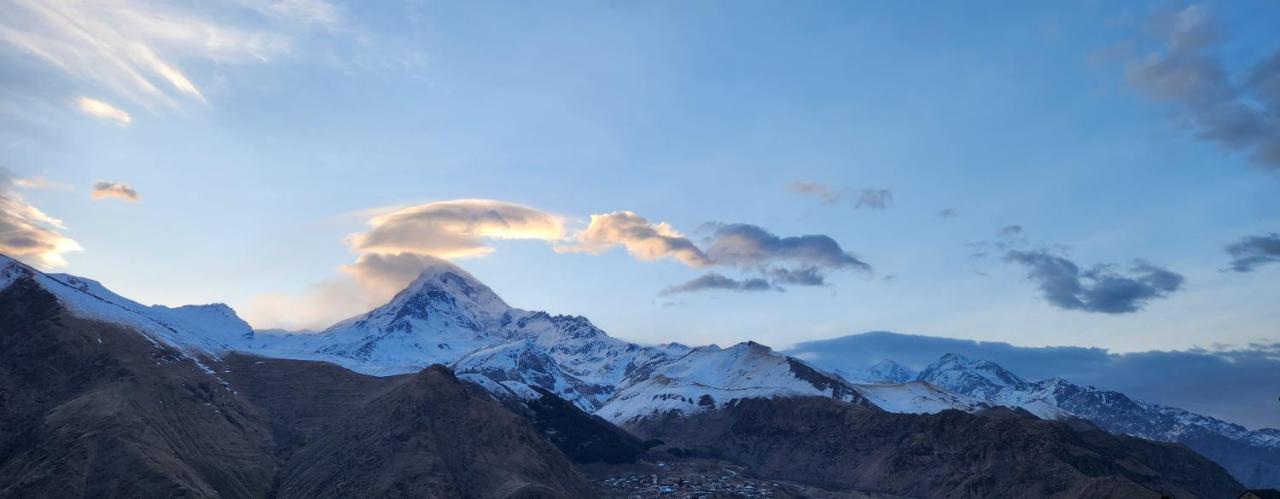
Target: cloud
point(455, 229)
point(715, 281)
point(643, 239)
point(747, 245)
point(778, 261)
point(402, 242)
point(1011, 230)
point(1236, 113)
point(28, 234)
point(1100, 289)
point(40, 183)
point(803, 276)
point(102, 110)
point(1251, 252)
point(816, 189)
point(875, 199)
point(113, 190)
point(383, 275)
point(1192, 380)
point(399, 245)
point(144, 51)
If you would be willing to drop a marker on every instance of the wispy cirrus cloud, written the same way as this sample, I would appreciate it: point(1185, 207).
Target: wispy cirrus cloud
point(113, 190)
point(103, 110)
point(154, 53)
point(41, 183)
point(872, 199)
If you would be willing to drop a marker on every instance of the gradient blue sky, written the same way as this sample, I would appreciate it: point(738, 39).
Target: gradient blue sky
point(312, 117)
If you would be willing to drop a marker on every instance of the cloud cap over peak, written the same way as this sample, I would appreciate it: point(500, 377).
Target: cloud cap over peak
point(455, 229)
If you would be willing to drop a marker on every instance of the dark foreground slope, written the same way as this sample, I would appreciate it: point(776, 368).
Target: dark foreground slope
point(953, 454)
point(92, 409)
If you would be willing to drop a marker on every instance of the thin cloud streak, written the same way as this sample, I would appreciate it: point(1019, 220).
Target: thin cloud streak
point(103, 110)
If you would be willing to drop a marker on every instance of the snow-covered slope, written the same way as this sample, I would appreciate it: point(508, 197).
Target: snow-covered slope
point(525, 364)
point(710, 377)
point(195, 330)
point(917, 397)
point(885, 371)
point(1057, 398)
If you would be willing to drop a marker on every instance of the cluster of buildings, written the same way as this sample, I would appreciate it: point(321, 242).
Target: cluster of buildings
point(687, 484)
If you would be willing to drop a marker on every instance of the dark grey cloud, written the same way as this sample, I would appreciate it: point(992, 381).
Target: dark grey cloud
point(714, 281)
point(1099, 289)
point(1251, 252)
point(751, 246)
point(1237, 113)
point(1193, 380)
point(872, 199)
point(803, 276)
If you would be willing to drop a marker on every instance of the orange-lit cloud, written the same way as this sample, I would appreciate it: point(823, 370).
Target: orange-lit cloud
point(643, 239)
point(28, 234)
point(455, 229)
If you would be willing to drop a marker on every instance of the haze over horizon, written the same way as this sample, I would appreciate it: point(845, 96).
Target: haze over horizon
point(1095, 175)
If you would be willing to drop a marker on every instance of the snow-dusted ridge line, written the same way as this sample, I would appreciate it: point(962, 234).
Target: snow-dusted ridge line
point(447, 316)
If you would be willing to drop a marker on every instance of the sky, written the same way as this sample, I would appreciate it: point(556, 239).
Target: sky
point(1094, 174)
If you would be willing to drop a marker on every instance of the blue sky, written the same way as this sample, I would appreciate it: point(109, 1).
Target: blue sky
point(274, 131)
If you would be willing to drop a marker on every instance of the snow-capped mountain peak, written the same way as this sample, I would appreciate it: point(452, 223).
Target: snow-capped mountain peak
point(443, 293)
point(709, 377)
point(885, 371)
point(978, 378)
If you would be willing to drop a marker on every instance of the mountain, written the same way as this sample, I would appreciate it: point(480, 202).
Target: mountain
point(558, 383)
point(953, 454)
point(1252, 456)
point(885, 371)
point(95, 401)
point(711, 377)
point(449, 317)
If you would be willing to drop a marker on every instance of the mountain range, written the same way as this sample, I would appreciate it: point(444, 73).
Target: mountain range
point(449, 340)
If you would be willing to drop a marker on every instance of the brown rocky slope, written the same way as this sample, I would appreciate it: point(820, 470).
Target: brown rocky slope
point(999, 453)
point(93, 409)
